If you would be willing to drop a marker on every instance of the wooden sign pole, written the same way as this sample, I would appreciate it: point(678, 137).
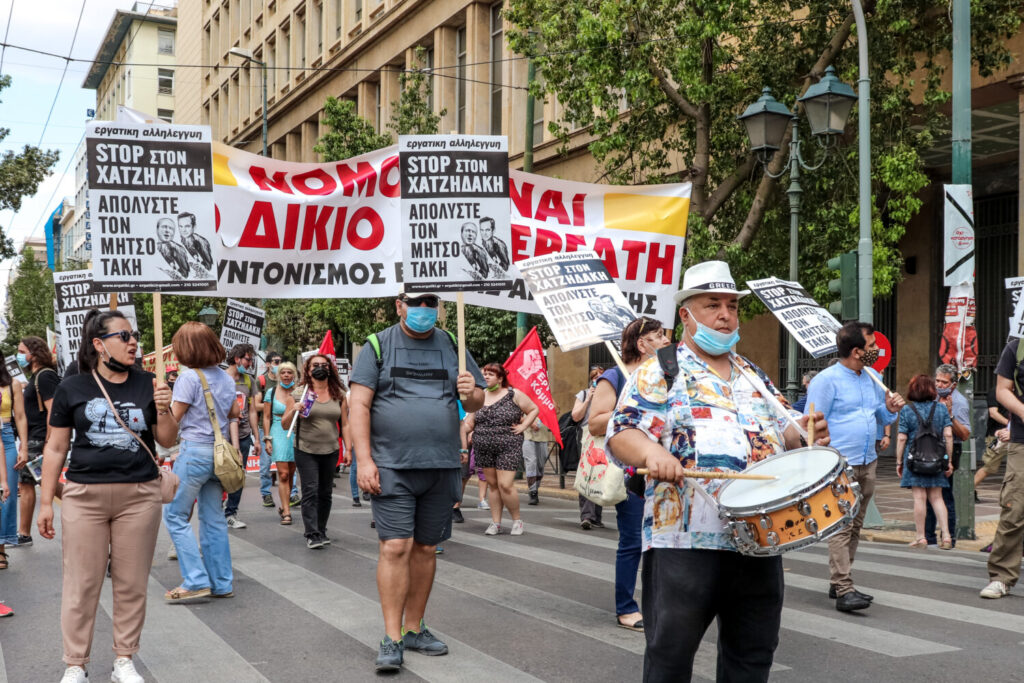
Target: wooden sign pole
point(460, 310)
point(113, 301)
point(158, 335)
point(618, 359)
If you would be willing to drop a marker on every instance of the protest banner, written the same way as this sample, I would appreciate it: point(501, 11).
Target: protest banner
point(813, 326)
point(456, 227)
point(578, 298)
point(243, 324)
point(528, 372)
point(959, 343)
point(344, 366)
point(1015, 306)
point(958, 235)
point(151, 198)
point(14, 370)
point(75, 294)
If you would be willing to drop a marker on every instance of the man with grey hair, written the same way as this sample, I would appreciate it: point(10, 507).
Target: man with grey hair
point(960, 413)
point(805, 381)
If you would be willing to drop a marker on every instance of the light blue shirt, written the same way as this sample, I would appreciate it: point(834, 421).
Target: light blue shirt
point(854, 407)
point(195, 423)
point(961, 412)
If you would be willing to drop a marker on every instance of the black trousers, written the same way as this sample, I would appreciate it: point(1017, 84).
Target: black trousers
point(683, 590)
point(316, 474)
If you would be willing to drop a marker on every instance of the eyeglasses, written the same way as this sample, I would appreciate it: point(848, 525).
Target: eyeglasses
point(124, 335)
point(428, 301)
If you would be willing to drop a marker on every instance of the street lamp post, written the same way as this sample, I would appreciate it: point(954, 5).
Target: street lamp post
point(827, 104)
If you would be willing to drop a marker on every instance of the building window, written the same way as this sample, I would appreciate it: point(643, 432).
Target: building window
point(496, 66)
point(300, 30)
point(271, 67)
point(337, 18)
point(376, 97)
point(428, 58)
point(165, 41)
point(165, 81)
point(318, 23)
point(165, 115)
point(460, 76)
point(286, 54)
point(359, 11)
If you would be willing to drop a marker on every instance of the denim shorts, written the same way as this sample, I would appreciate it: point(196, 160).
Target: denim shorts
point(416, 504)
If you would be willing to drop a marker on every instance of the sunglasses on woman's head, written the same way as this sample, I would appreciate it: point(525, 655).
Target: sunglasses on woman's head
point(124, 335)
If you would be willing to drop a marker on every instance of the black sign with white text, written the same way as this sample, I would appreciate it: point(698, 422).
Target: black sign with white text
point(812, 326)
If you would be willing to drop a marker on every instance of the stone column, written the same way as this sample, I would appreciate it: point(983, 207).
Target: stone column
point(444, 87)
point(478, 53)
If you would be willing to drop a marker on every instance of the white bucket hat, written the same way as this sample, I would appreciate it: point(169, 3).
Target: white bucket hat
point(709, 277)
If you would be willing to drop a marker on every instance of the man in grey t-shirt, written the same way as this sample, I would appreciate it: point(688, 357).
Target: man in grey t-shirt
point(405, 425)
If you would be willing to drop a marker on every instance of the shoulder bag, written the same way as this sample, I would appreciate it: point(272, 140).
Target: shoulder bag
point(168, 480)
point(227, 465)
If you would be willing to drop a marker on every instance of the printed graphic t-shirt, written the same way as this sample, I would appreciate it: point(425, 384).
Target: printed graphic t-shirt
point(414, 419)
point(103, 452)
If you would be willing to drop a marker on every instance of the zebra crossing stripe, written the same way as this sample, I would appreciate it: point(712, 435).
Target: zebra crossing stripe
point(596, 540)
point(929, 575)
point(863, 637)
point(976, 561)
point(3, 666)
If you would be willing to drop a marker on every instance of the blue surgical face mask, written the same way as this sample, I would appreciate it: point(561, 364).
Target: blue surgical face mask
point(944, 392)
point(289, 385)
point(22, 360)
point(420, 318)
point(713, 342)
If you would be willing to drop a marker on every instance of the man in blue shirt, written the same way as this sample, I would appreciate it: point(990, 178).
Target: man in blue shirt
point(960, 413)
point(853, 405)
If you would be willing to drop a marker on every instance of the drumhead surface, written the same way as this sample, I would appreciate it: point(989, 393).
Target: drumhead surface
point(795, 470)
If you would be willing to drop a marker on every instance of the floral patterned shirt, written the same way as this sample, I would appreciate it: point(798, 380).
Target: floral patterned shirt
point(709, 423)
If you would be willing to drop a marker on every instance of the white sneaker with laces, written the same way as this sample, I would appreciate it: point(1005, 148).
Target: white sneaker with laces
point(236, 523)
point(517, 527)
point(124, 672)
point(483, 505)
point(994, 590)
point(75, 674)
point(492, 529)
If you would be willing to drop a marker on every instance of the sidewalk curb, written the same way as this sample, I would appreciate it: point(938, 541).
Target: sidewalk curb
point(568, 493)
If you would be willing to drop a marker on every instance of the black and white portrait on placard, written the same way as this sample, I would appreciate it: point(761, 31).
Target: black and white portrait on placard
point(197, 246)
point(496, 249)
point(173, 253)
point(474, 253)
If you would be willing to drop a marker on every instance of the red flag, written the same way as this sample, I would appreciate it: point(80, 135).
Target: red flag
point(528, 373)
point(327, 345)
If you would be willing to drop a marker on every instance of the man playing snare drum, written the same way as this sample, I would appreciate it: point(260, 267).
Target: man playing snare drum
point(713, 417)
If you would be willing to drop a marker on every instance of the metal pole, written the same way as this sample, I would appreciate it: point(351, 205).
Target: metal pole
point(795, 193)
point(527, 168)
point(963, 481)
point(865, 278)
point(263, 304)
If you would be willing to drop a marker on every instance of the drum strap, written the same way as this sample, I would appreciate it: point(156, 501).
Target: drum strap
point(768, 396)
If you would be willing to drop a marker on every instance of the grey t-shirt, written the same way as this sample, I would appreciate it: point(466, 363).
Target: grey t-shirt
point(414, 418)
point(195, 423)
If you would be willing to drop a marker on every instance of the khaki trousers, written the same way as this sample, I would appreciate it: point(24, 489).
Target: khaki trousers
point(843, 545)
point(1004, 560)
point(119, 521)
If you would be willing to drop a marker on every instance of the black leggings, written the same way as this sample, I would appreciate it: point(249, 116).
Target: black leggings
point(316, 474)
point(684, 590)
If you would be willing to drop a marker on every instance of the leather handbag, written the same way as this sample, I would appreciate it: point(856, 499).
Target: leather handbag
point(169, 481)
point(227, 463)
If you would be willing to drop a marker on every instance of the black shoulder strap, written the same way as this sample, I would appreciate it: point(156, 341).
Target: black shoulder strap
point(669, 364)
point(920, 420)
point(931, 415)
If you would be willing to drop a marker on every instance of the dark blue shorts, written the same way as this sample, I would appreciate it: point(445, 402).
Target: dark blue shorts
point(416, 504)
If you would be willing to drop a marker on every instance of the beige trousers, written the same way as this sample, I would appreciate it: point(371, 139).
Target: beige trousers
point(119, 521)
point(1004, 560)
point(843, 546)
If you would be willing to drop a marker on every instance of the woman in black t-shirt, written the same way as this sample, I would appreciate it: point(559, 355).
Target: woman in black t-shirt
point(111, 504)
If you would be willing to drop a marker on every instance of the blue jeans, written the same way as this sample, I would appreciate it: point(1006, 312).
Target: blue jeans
point(213, 568)
point(352, 478)
point(231, 505)
point(629, 515)
point(265, 481)
point(9, 510)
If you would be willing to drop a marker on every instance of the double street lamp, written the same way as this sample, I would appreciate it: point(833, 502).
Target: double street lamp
point(827, 104)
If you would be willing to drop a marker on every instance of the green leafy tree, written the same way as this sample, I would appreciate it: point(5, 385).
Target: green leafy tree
point(350, 134)
point(20, 176)
point(29, 302)
point(175, 311)
point(685, 70)
point(413, 111)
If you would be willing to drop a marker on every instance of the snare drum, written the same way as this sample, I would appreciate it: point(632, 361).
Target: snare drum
point(814, 496)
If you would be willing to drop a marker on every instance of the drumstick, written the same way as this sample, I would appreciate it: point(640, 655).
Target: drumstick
point(696, 474)
point(810, 424)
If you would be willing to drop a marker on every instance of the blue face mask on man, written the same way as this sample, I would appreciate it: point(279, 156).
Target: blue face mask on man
point(713, 342)
point(420, 318)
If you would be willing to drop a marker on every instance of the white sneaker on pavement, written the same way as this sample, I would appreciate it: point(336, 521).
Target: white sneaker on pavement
point(75, 674)
point(517, 527)
point(124, 672)
point(236, 523)
point(994, 590)
point(492, 529)
point(172, 553)
point(483, 505)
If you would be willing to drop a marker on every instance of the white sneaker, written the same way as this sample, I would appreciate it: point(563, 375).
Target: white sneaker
point(172, 554)
point(483, 505)
point(236, 523)
point(492, 530)
point(994, 590)
point(75, 674)
point(124, 672)
point(517, 527)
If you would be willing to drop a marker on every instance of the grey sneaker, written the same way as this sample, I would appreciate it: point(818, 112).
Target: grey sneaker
point(295, 501)
point(313, 542)
point(390, 656)
point(268, 501)
point(424, 642)
point(236, 523)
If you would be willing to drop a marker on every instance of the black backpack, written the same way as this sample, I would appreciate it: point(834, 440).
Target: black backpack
point(927, 452)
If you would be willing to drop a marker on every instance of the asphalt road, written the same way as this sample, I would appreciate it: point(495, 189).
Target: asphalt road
point(536, 607)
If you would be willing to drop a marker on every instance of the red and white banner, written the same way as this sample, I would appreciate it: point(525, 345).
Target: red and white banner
point(528, 373)
point(959, 343)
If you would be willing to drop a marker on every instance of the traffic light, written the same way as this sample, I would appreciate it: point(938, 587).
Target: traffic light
point(845, 286)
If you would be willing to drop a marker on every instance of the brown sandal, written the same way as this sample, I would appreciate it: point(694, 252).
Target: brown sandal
point(3, 560)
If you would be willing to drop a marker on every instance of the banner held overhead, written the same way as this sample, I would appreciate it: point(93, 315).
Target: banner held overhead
point(243, 324)
point(75, 294)
point(813, 326)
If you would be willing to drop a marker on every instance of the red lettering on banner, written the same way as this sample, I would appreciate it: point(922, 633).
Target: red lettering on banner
point(663, 262)
point(339, 228)
point(277, 182)
point(327, 183)
point(577, 210)
point(376, 236)
point(388, 188)
point(635, 249)
point(291, 225)
point(550, 206)
point(316, 226)
point(519, 235)
point(521, 199)
point(262, 213)
point(364, 176)
point(548, 242)
point(574, 242)
point(604, 248)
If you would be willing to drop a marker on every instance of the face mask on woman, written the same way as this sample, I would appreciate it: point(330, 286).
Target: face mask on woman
point(320, 373)
point(22, 360)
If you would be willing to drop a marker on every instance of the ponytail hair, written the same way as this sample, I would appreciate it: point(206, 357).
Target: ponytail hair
point(96, 325)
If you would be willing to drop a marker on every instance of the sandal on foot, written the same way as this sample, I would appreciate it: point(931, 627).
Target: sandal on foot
point(946, 544)
point(3, 560)
point(286, 520)
point(184, 595)
point(637, 625)
point(919, 543)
